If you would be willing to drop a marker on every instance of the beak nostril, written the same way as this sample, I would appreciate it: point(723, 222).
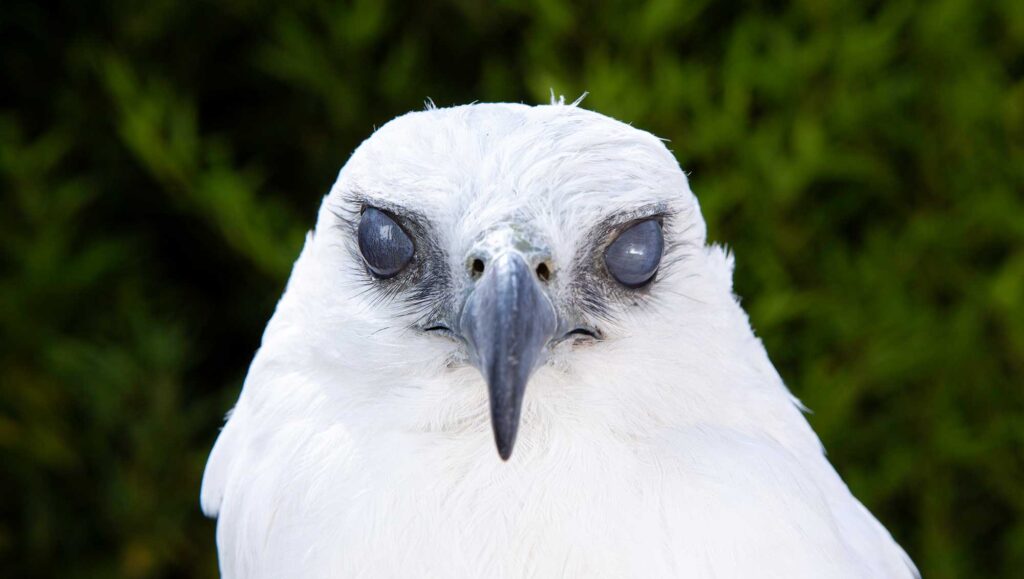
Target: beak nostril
point(478, 267)
point(543, 272)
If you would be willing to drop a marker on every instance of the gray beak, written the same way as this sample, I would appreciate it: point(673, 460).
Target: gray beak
point(507, 321)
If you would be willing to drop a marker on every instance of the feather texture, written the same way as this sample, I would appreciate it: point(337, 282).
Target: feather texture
point(361, 447)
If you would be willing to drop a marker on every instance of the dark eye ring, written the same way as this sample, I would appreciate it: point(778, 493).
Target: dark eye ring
point(386, 248)
point(633, 258)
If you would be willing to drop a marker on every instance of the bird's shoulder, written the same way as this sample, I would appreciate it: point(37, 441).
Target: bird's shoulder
point(777, 496)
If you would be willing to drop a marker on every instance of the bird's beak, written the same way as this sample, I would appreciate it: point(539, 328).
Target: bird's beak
point(507, 321)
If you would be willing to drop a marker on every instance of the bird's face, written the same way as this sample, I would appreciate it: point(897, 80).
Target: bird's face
point(469, 254)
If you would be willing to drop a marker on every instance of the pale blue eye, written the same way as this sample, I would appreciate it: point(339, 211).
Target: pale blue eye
point(385, 246)
point(634, 256)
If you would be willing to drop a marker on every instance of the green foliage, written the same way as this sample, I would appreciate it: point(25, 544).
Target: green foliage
point(160, 161)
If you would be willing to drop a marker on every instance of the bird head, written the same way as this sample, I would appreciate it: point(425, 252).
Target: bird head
point(469, 259)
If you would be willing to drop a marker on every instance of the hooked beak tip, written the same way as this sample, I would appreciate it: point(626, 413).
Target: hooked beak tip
point(505, 452)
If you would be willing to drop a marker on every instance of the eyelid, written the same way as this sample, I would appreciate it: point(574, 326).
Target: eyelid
point(357, 201)
point(618, 224)
point(410, 220)
point(398, 217)
point(658, 218)
point(626, 217)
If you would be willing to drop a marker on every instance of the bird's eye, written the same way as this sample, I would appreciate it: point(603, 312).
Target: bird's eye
point(385, 246)
point(633, 257)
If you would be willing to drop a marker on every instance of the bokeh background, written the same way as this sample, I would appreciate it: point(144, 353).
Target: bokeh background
point(160, 161)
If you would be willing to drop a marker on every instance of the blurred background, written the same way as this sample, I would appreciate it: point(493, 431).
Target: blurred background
point(160, 162)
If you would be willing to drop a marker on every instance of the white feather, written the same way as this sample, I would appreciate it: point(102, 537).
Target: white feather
point(670, 449)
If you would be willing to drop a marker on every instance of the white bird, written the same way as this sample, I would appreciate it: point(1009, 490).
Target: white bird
point(536, 277)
